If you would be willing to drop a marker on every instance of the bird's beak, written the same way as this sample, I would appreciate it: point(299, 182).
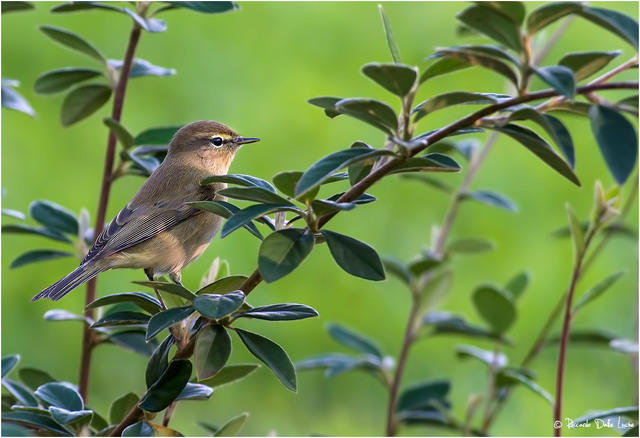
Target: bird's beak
point(244, 140)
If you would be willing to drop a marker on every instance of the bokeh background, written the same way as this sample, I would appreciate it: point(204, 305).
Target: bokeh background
point(254, 69)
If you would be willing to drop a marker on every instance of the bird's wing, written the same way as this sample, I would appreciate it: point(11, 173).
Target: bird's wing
point(135, 225)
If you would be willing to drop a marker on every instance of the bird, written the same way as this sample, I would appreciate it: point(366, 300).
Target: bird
point(158, 230)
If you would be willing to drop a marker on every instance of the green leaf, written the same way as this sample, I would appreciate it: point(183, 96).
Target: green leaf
point(396, 268)
point(429, 417)
point(12, 429)
point(508, 376)
point(322, 207)
point(59, 80)
point(370, 111)
point(133, 339)
point(617, 140)
point(495, 51)
point(495, 307)
point(83, 101)
point(169, 386)
point(630, 412)
point(36, 420)
point(160, 136)
point(15, 7)
point(469, 246)
point(75, 419)
point(283, 251)
point(140, 299)
point(322, 170)
point(286, 183)
point(173, 289)
point(576, 232)
point(391, 43)
point(63, 315)
point(61, 395)
point(620, 24)
point(239, 179)
point(597, 290)
point(587, 336)
point(560, 78)
point(121, 318)
point(479, 59)
point(631, 101)
point(9, 363)
point(256, 194)
point(541, 148)
point(122, 134)
point(442, 67)
point(280, 312)
point(246, 215)
point(21, 392)
point(336, 363)
point(121, 406)
point(513, 9)
point(139, 429)
point(12, 99)
point(272, 355)
point(233, 426)
point(76, 6)
point(355, 257)
point(584, 64)
point(491, 198)
point(166, 319)
point(38, 255)
point(430, 181)
point(141, 67)
point(445, 100)
point(444, 323)
point(33, 377)
point(13, 213)
point(328, 103)
point(548, 13)
point(216, 306)
point(399, 79)
point(354, 340)
point(424, 264)
point(493, 24)
point(207, 7)
point(54, 216)
point(517, 284)
point(73, 41)
point(159, 361)
point(230, 374)
point(195, 391)
point(424, 395)
point(223, 285)
point(486, 356)
point(225, 210)
point(212, 351)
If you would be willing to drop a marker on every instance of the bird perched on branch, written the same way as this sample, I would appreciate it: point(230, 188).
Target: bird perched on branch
point(158, 231)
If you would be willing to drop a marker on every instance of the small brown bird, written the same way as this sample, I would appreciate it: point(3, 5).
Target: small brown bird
point(157, 231)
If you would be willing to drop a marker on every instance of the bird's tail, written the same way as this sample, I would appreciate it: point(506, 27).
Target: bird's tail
point(62, 287)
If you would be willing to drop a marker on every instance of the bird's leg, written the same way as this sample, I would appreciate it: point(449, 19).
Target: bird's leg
point(149, 273)
point(176, 277)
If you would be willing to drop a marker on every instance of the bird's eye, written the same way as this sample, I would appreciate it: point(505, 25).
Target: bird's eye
point(216, 141)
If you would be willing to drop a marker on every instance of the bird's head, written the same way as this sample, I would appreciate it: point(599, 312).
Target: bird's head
point(213, 143)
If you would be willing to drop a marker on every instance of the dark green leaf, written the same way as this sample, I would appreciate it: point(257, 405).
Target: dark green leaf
point(513, 9)
point(396, 78)
point(121, 406)
point(83, 101)
point(286, 183)
point(424, 264)
point(173, 289)
point(207, 7)
point(246, 215)
point(355, 257)
point(365, 198)
point(430, 181)
point(239, 179)
point(469, 246)
point(322, 207)
point(631, 101)
point(354, 340)
point(152, 25)
point(233, 426)
point(134, 340)
point(320, 171)
point(76, 6)
point(495, 51)
point(580, 108)
point(587, 336)
point(61, 395)
point(397, 268)
point(9, 363)
point(230, 374)
point(33, 377)
point(256, 194)
point(218, 306)
point(280, 312)
point(169, 386)
point(38, 255)
point(14, 7)
point(272, 355)
point(391, 43)
point(548, 13)
point(11, 429)
point(121, 318)
point(617, 140)
point(560, 78)
point(597, 290)
point(620, 24)
point(495, 307)
point(486, 356)
point(12, 99)
point(166, 319)
point(335, 364)
point(283, 251)
point(492, 198)
point(141, 428)
point(212, 350)
point(442, 67)
point(36, 420)
point(226, 210)
point(328, 103)
point(140, 299)
point(449, 99)
point(54, 216)
point(72, 418)
point(584, 64)
point(63, 315)
point(444, 323)
point(510, 376)
point(73, 41)
point(141, 67)
point(161, 135)
point(423, 395)
point(493, 24)
point(61, 79)
point(21, 392)
point(430, 417)
point(630, 412)
point(479, 59)
point(195, 391)
point(541, 148)
point(159, 361)
point(122, 134)
point(223, 285)
point(371, 111)
point(517, 284)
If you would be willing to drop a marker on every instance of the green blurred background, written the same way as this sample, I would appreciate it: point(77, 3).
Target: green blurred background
point(254, 69)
